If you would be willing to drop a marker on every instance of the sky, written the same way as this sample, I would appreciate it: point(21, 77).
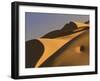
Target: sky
point(38, 24)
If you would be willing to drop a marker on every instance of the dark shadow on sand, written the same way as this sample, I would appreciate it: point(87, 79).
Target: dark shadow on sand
point(34, 50)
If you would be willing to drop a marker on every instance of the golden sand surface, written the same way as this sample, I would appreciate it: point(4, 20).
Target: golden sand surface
point(52, 45)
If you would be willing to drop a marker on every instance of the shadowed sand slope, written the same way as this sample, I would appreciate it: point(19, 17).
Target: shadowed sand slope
point(34, 50)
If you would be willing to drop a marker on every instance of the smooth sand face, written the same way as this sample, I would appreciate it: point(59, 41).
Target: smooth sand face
point(52, 45)
point(77, 52)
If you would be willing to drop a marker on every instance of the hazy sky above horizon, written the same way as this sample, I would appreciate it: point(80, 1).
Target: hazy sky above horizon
point(38, 24)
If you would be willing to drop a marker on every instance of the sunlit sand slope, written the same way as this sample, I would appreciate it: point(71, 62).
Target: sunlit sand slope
point(52, 45)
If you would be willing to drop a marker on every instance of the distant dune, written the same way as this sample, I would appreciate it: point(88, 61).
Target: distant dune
point(66, 30)
point(66, 47)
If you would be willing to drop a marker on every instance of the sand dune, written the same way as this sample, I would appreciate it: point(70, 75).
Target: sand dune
point(52, 45)
point(67, 29)
point(51, 49)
